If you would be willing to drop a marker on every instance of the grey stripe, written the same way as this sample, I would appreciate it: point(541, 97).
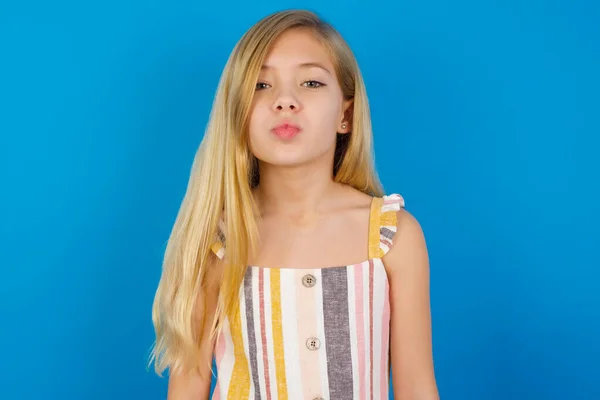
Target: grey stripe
point(387, 233)
point(251, 335)
point(337, 332)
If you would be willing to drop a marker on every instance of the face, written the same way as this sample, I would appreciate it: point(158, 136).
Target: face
point(298, 106)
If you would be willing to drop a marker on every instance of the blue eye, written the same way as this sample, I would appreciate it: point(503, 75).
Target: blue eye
point(313, 84)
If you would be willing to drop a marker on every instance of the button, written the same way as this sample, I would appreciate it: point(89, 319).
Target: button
point(318, 398)
point(309, 280)
point(313, 343)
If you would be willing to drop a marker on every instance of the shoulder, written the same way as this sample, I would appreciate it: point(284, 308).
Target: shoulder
point(409, 249)
point(383, 223)
point(408, 231)
point(214, 272)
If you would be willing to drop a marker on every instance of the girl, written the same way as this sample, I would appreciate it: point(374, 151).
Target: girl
point(287, 261)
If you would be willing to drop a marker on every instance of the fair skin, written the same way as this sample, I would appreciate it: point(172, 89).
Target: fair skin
point(193, 385)
point(302, 208)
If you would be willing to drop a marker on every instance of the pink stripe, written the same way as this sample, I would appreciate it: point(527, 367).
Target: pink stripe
point(360, 327)
point(261, 292)
point(219, 353)
point(371, 324)
point(393, 199)
point(385, 344)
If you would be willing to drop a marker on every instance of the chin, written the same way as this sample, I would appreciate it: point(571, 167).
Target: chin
point(285, 160)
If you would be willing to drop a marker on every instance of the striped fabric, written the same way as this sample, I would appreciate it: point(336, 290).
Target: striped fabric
point(312, 333)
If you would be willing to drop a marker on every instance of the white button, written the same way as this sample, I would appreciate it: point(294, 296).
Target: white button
point(313, 343)
point(309, 280)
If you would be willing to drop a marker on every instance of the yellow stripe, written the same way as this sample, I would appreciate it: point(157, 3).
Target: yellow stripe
point(239, 386)
point(374, 225)
point(389, 218)
point(278, 334)
point(216, 246)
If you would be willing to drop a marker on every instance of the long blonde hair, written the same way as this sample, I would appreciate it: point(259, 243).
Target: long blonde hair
point(222, 177)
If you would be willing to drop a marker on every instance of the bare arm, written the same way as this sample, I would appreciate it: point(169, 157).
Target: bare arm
point(407, 264)
point(196, 385)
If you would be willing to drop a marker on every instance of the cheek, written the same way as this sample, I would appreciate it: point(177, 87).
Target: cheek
point(258, 112)
point(326, 114)
point(257, 122)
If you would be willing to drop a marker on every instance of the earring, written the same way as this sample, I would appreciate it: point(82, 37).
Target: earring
point(343, 126)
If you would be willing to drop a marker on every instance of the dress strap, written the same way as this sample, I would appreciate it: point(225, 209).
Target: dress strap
point(218, 246)
point(383, 224)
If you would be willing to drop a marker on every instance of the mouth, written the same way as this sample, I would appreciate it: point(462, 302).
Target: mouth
point(286, 131)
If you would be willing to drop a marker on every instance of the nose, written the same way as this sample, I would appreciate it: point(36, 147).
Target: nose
point(286, 102)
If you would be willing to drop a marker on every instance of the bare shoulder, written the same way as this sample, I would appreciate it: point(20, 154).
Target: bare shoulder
point(214, 272)
point(407, 265)
point(355, 196)
point(195, 383)
point(409, 249)
point(350, 204)
point(206, 301)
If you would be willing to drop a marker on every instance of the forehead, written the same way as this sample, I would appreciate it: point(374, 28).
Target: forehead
point(297, 46)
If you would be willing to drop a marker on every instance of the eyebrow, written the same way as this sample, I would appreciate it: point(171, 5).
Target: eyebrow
point(303, 65)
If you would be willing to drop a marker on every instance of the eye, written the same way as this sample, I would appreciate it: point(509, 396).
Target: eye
point(261, 85)
point(313, 84)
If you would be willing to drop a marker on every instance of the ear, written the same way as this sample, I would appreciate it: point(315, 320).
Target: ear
point(345, 125)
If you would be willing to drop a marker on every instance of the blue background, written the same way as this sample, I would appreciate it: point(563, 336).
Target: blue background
point(486, 120)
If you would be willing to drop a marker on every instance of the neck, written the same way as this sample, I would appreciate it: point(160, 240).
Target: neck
point(299, 190)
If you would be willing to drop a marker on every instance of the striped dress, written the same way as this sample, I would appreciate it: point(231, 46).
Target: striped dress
point(312, 334)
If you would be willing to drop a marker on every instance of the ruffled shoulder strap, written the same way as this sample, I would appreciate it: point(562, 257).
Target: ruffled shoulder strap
point(383, 223)
point(218, 246)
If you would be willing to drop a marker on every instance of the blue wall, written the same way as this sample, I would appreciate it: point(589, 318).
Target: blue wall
point(486, 120)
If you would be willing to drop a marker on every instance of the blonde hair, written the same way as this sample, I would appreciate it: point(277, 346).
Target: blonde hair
point(222, 177)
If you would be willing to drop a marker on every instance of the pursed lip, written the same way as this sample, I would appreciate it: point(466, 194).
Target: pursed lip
point(286, 129)
point(286, 124)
